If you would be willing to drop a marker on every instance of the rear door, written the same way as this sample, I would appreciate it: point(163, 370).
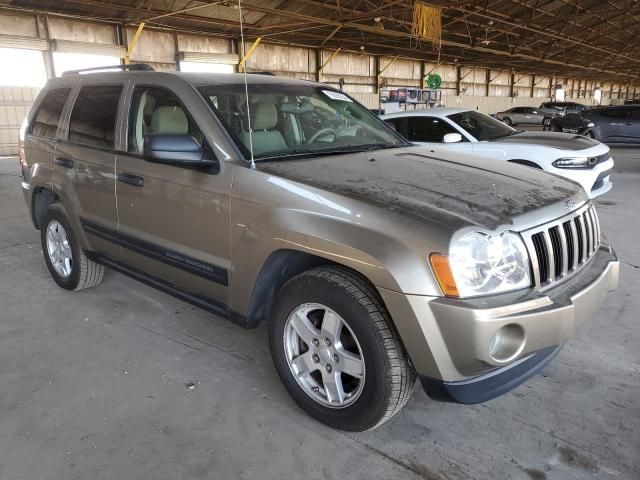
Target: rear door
point(40, 137)
point(84, 163)
point(173, 220)
point(517, 115)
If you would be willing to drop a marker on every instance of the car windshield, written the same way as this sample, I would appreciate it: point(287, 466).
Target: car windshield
point(481, 126)
point(296, 121)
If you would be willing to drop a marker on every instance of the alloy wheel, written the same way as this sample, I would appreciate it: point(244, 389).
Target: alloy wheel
point(324, 355)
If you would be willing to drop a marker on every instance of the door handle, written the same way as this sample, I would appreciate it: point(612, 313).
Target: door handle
point(130, 179)
point(64, 162)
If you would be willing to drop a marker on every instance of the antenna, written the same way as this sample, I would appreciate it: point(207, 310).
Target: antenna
point(246, 87)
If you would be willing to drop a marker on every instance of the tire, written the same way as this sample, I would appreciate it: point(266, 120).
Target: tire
point(388, 379)
point(507, 121)
point(546, 122)
point(79, 271)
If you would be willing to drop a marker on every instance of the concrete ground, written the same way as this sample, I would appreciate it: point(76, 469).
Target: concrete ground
point(124, 382)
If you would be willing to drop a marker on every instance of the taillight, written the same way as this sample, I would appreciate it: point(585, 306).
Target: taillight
point(24, 168)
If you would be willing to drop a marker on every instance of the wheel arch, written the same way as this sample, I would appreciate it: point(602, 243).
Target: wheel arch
point(281, 266)
point(41, 199)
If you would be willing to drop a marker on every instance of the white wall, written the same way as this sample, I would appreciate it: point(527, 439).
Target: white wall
point(14, 105)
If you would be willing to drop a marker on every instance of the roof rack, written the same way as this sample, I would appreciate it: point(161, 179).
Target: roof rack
point(133, 67)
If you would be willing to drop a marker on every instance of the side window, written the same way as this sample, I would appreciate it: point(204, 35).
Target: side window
point(517, 110)
point(399, 124)
point(428, 129)
point(93, 118)
point(612, 112)
point(45, 122)
point(156, 110)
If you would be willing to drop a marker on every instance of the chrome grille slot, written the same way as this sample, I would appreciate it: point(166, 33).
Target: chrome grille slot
point(558, 253)
point(542, 256)
point(569, 235)
point(562, 247)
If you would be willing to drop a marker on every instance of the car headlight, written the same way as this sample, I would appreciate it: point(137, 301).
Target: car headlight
point(480, 264)
point(591, 124)
point(574, 162)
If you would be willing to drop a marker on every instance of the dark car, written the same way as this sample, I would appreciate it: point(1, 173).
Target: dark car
point(615, 124)
point(559, 109)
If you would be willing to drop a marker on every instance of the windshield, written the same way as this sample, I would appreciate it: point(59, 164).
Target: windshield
point(296, 120)
point(481, 126)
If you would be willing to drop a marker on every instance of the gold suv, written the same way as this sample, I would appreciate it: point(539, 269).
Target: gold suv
point(286, 201)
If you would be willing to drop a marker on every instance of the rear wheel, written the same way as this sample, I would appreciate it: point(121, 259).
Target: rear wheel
point(67, 263)
point(337, 350)
point(546, 122)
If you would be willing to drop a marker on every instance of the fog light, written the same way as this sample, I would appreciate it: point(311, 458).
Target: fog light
point(507, 343)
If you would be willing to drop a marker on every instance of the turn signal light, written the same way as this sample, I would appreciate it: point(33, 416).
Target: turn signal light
point(442, 271)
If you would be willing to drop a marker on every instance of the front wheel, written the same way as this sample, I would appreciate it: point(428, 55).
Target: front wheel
point(337, 351)
point(508, 122)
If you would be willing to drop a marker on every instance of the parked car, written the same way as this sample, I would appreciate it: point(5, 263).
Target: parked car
point(521, 116)
point(559, 109)
point(577, 158)
point(372, 260)
point(615, 124)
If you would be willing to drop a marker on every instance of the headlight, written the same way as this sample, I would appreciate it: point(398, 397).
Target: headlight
point(574, 162)
point(591, 124)
point(482, 264)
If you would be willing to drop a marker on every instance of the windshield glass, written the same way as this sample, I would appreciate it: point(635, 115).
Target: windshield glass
point(481, 126)
point(296, 120)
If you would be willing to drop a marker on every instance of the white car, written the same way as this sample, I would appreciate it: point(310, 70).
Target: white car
point(581, 159)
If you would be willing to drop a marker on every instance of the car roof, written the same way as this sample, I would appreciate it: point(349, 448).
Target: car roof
point(190, 77)
point(432, 112)
point(612, 107)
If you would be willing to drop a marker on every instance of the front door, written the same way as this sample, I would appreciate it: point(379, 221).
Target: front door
point(614, 124)
point(173, 220)
point(84, 164)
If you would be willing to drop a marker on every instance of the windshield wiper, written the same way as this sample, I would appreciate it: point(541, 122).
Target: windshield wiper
point(299, 153)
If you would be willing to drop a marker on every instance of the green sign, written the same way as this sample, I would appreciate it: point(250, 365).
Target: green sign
point(433, 81)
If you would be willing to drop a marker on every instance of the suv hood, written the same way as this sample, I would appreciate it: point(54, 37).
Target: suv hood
point(561, 141)
point(444, 187)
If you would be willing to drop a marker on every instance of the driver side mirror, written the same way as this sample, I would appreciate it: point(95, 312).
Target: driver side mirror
point(177, 149)
point(452, 138)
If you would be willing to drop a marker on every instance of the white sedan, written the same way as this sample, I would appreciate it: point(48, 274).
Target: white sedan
point(581, 159)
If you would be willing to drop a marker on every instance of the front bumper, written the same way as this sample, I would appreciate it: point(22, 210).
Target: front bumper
point(449, 341)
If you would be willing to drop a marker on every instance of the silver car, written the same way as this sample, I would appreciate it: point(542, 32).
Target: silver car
point(521, 116)
point(372, 261)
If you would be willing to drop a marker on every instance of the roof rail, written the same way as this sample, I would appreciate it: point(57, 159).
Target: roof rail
point(133, 67)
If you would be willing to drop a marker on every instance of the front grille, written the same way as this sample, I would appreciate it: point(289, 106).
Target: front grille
point(560, 248)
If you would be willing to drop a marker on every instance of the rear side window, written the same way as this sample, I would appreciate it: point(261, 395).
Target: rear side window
point(45, 122)
point(93, 119)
